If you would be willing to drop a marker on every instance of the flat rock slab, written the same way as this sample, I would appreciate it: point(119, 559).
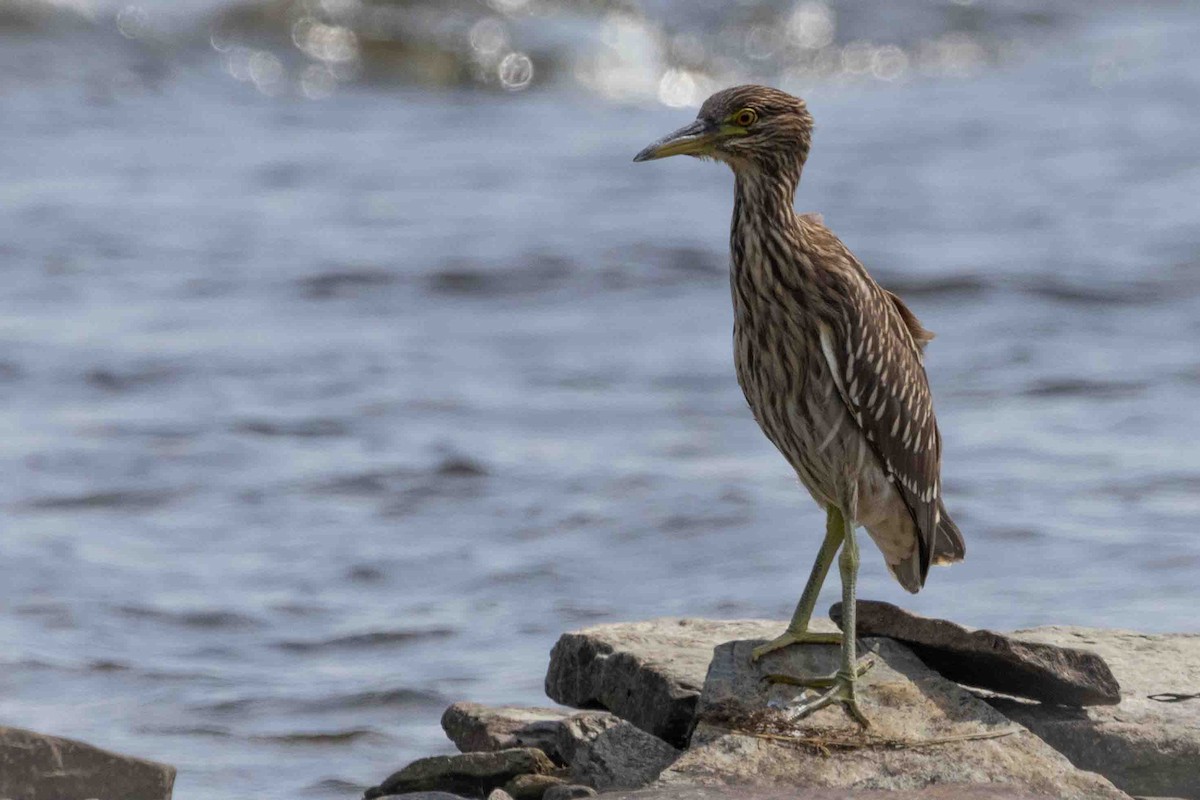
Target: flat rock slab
point(1050, 673)
point(555, 731)
point(955, 791)
point(926, 730)
point(649, 673)
point(470, 774)
point(34, 766)
point(478, 728)
point(1144, 746)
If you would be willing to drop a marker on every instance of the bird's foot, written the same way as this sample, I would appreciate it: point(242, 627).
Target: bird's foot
point(791, 637)
point(819, 682)
point(841, 690)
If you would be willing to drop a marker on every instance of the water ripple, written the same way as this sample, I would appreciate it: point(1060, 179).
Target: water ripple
point(210, 619)
point(365, 641)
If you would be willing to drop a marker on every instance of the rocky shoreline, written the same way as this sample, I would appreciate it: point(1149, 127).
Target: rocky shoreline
point(674, 709)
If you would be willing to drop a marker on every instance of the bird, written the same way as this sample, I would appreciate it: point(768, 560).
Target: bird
point(832, 367)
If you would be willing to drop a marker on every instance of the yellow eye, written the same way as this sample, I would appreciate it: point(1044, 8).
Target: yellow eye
point(745, 118)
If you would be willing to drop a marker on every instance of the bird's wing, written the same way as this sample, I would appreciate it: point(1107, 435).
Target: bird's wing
point(878, 370)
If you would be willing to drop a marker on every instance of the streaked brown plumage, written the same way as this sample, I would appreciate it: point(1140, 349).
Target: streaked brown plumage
point(830, 362)
point(831, 365)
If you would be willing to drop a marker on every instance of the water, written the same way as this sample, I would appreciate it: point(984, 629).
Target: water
point(322, 414)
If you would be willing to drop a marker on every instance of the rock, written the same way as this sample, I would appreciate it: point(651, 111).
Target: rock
point(925, 731)
point(34, 765)
point(499, 794)
point(556, 732)
point(532, 787)
point(430, 796)
point(988, 660)
point(954, 791)
point(473, 774)
point(569, 791)
point(648, 673)
point(478, 728)
point(1143, 746)
point(580, 729)
point(622, 757)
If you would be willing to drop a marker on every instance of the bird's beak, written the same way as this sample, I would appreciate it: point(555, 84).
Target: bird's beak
point(695, 139)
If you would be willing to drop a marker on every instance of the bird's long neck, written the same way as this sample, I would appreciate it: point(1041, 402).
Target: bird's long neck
point(764, 228)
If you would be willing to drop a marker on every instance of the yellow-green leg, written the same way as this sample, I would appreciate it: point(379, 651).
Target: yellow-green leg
point(842, 689)
point(797, 630)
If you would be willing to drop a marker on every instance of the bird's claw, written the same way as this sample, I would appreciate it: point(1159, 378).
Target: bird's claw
point(842, 692)
point(789, 638)
point(821, 682)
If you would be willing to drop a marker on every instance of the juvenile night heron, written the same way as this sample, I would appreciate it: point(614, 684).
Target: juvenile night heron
point(831, 365)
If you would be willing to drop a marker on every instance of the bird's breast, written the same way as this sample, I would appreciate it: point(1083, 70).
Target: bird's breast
point(774, 342)
point(786, 381)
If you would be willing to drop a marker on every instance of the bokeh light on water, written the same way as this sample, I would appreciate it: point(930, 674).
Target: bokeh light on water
point(346, 359)
point(626, 51)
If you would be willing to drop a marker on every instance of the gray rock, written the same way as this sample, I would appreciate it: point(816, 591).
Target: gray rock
point(532, 787)
point(579, 730)
point(988, 660)
point(478, 728)
point(925, 731)
point(570, 791)
point(556, 732)
point(429, 796)
point(35, 766)
point(622, 757)
point(954, 791)
point(472, 774)
point(499, 794)
point(648, 673)
point(1143, 746)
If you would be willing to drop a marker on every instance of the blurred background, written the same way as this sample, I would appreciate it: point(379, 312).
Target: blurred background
point(346, 359)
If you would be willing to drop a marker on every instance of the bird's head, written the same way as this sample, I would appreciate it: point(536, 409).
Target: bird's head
point(748, 127)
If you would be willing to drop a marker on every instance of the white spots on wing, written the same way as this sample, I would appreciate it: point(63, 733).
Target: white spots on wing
point(826, 337)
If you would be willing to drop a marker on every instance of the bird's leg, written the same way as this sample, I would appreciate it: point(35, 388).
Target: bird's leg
point(797, 630)
point(842, 689)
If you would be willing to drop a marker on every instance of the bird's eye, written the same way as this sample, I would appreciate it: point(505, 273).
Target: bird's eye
point(745, 118)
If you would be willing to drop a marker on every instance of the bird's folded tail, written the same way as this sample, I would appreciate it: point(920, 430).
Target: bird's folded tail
point(949, 545)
